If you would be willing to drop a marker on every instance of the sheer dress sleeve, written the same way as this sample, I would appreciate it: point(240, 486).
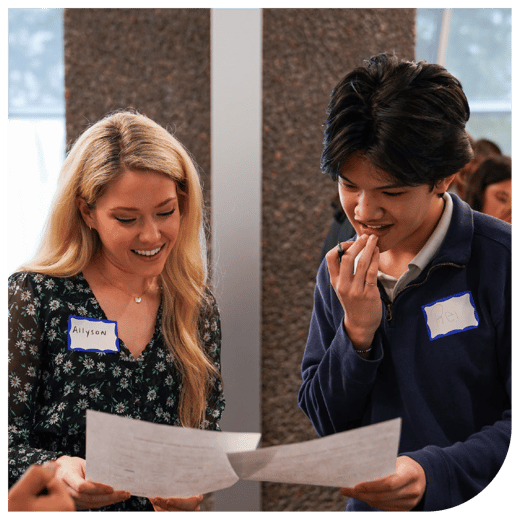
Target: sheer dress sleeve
point(26, 352)
point(210, 333)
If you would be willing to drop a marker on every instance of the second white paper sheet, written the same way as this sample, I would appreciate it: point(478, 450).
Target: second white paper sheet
point(339, 460)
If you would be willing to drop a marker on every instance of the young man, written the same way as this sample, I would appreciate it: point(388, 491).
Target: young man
point(412, 319)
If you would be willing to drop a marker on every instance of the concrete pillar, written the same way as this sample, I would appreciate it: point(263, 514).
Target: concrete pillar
point(305, 53)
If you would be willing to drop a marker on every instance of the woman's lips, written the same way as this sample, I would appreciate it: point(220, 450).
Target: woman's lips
point(148, 252)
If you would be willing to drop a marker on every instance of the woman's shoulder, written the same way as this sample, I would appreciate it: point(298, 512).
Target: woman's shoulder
point(209, 316)
point(38, 282)
point(209, 305)
point(25, 279)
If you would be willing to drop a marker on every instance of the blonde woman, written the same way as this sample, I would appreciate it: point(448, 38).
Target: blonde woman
point(113, 313)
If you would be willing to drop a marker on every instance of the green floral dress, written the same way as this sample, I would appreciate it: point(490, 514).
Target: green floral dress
point(51, 386)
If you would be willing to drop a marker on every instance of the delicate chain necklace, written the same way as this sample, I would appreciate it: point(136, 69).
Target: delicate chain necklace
point(137, 299)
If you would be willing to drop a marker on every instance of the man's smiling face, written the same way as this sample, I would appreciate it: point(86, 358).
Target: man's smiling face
point(403, 217)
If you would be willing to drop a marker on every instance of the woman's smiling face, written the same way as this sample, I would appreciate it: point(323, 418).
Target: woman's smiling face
point(137, 219)
point(403, 217)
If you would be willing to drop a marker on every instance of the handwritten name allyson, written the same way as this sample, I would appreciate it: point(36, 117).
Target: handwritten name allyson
point(88, 332)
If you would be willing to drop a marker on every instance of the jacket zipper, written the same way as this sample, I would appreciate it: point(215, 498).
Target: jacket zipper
point(390, 305)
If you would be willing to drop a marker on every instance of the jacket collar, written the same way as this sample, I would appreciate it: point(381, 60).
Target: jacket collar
point(456, 247)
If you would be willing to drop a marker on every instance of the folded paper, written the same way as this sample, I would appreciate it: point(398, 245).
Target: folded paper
point(156, 460)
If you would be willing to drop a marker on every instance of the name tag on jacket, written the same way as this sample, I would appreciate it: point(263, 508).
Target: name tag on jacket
point(90, 335)
point(450, 315)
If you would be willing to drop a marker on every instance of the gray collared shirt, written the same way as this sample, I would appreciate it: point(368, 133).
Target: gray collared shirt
point(429, 250)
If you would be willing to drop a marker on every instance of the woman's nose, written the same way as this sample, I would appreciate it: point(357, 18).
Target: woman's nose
point(150, 232)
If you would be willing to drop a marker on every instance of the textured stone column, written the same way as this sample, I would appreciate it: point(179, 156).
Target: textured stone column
point(156, 61)
point(305, 53)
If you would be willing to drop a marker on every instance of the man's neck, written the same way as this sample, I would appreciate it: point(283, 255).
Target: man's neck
point(394, 262)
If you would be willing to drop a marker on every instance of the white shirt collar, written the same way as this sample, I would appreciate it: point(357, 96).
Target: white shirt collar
point(433, 244)
point(424, 256)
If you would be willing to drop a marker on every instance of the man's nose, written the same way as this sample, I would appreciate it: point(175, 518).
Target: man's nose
point(368, 208)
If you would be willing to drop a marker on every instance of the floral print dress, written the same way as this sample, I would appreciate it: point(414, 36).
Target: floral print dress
point(51, 386)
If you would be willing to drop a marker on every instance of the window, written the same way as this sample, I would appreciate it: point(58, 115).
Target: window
point(475, 46)
point(36, 126)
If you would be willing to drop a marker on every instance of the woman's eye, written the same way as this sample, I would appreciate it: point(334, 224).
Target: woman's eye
point(125, 220)
point(167, 214)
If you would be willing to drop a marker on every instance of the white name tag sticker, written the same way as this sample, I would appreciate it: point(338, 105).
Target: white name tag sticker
point(90, 335)
point(450, 315)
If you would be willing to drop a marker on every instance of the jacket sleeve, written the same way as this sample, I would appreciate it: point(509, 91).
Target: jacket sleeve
point(25, 355)
point(459, 472)
point(336, 381)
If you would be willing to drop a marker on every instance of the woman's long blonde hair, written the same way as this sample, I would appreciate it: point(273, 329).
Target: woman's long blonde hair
point(130, 141)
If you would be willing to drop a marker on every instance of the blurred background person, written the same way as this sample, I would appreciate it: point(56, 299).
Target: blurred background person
point(482, 149)
point(489, 189)
point(486, 148)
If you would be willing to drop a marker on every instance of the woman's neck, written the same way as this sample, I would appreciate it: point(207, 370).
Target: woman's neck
point(110, 274)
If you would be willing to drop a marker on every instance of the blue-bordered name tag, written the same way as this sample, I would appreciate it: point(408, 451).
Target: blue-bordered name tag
point(90, 335)
point(450, 315)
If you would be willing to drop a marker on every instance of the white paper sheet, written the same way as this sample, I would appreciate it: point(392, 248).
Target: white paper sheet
point(153, 460)
point(340, 460)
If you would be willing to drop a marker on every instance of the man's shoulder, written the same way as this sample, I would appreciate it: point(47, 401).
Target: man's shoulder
point(492, 230)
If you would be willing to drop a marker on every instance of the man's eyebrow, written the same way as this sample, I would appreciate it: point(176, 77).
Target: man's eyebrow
point(386, 187)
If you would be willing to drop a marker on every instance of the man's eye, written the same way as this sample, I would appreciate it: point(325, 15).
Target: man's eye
point(347, 186)
point(393, 193)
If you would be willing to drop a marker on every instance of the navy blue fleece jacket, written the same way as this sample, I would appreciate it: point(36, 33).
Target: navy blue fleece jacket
point(444, 370)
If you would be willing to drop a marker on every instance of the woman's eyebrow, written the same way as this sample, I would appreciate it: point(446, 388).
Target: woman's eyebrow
point(167, 201)
point(127, 208)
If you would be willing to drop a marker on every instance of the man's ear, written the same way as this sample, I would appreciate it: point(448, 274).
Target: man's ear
point(86, 212)
point(443, 184)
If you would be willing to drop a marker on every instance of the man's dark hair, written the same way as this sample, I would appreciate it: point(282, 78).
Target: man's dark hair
point(407, 118)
